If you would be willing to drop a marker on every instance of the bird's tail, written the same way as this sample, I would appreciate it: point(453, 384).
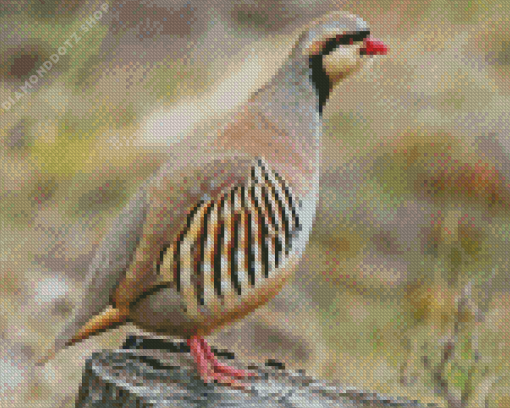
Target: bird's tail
point(109, 318)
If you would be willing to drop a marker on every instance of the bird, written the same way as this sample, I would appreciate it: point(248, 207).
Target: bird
point(220, 227)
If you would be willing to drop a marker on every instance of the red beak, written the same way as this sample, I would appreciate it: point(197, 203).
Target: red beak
point(373, 47)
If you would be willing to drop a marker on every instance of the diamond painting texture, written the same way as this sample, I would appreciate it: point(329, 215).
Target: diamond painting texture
point(323, 183)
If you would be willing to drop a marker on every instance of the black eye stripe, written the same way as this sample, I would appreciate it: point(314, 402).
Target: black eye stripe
point(345, 39)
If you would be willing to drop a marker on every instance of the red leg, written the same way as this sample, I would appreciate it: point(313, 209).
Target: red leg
point(196, 351)
point(209, 367)
point(220, 367)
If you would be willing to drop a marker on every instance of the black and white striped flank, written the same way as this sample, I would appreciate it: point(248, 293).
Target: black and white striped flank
point(234, 242)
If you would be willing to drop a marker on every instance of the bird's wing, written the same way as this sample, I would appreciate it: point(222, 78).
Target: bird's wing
point(125, 265)
point(173, 193)
point(233, 251)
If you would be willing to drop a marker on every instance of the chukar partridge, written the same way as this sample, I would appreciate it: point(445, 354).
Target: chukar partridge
point(219, 229)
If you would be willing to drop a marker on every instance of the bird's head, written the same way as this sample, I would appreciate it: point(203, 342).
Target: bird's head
point(336, 46)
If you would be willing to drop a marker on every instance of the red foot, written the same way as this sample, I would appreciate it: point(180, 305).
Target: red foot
point(209, 368)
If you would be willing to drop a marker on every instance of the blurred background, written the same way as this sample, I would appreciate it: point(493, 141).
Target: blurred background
point(409, 253)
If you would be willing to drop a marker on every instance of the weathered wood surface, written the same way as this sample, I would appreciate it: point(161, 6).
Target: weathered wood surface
point(150, 372)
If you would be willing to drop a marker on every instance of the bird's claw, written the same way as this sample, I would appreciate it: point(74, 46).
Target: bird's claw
point(210, 369)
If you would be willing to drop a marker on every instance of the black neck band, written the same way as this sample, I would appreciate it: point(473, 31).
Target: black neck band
point(318, 75)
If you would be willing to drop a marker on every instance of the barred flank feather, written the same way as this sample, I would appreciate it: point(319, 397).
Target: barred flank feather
point(233, 242)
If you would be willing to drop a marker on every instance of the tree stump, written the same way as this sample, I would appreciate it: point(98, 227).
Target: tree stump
point(150, 372)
